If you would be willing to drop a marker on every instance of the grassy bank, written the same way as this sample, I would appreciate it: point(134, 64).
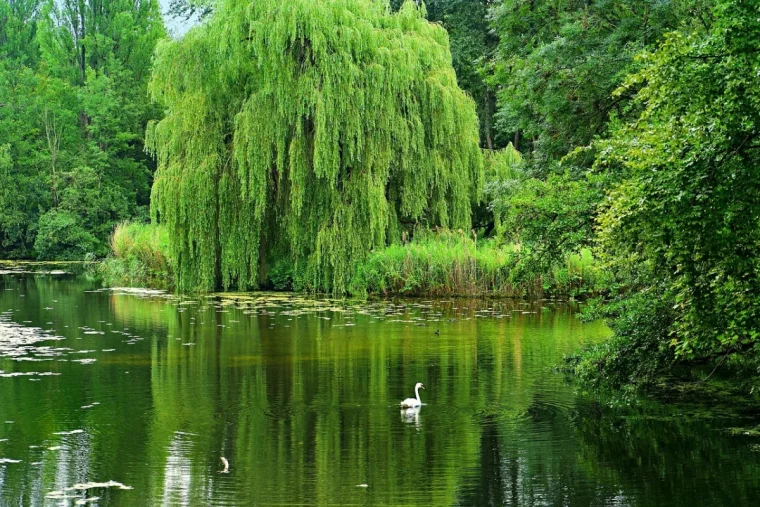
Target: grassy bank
point(454, 264)
point(139, 257)
point(445, 263)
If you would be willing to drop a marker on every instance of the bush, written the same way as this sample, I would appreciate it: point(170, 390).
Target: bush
point(61, 236)
point(280, 276)
point(638, 351)
point(139, 256)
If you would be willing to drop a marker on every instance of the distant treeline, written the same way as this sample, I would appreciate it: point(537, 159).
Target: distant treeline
point(73, 111)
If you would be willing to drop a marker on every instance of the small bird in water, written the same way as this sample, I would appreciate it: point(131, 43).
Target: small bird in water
point(226, 466)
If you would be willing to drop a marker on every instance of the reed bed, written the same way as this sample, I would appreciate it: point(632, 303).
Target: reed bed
point(452, 263)
point(139, 257)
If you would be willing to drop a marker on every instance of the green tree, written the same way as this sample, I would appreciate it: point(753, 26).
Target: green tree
point(547, 217)
point(61, 236)
point(310, 130)
point(73, 111)
point(686, 209)
point(22, 189)
point(472, 46)
point(18, 29)
point(558, 63)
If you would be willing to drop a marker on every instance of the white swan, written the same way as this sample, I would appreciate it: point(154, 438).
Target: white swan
point(413, 402)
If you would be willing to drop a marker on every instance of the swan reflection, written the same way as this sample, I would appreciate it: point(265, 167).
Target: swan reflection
point(411, 416)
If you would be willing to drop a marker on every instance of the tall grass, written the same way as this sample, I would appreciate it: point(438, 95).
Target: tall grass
point(139, 257)
point(443, 263)
point(454, 263)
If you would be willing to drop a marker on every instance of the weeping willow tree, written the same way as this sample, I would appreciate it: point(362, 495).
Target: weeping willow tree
point(314, 130)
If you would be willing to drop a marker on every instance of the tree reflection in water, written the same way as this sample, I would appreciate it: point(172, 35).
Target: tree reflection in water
point(301, 396)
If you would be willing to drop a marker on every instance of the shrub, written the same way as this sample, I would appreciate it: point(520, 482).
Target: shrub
point(639, 350)
point(280, 275)
point(139, 256)
point(61, 236)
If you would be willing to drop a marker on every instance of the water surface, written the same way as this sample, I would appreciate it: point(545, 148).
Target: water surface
point(124, 398)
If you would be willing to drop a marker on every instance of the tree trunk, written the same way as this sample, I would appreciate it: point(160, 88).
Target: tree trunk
point(82, 63)
point(488, 120)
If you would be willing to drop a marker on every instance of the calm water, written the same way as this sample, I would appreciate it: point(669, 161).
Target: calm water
point(300, 396)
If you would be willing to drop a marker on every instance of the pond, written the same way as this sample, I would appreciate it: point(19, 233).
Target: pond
point(119, 397)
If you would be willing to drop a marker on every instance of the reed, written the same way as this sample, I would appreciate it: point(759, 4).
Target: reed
point(139, 257)
point(435, 263)
point(453, 263)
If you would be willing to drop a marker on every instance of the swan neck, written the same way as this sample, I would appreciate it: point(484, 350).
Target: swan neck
point(417, 393)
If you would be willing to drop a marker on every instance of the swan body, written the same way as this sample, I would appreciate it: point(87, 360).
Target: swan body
point(413, 402)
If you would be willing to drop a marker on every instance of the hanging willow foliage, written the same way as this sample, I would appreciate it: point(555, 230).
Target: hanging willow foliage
point(312, 129)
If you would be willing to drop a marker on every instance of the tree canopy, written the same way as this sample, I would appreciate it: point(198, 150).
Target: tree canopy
point(73, 111)
point(687, 204)
point(318, 130)
point(558, 62)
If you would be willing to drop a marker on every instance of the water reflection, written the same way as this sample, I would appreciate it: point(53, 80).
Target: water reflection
point(301, 397)
point(411, 416)
point(178, 471)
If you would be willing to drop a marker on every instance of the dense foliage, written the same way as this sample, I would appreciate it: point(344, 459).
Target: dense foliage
point(140, 257)
point(686, 206)
point(73, 111)
point(455, 264)
point(472, 46)
point(558, 62)
point(312, 130)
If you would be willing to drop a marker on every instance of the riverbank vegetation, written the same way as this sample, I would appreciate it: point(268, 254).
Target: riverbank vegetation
point(139, 257)
point(443, 263)
point(604, 149)
point(455, 264)
point(683, 205)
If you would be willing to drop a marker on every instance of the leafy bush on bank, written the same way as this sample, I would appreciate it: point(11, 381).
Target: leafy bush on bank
point(139, 257)
point(638, 353)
